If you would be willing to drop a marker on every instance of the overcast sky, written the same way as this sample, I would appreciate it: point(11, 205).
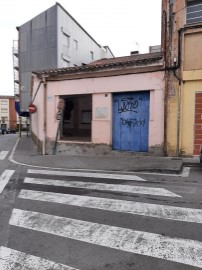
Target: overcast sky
point(124, 26)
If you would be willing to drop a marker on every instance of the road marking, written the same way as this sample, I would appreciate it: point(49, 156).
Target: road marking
point(185, 173)
point(129, 207)
point(3, 154)
point(155, 245)
point(125, 177)
point(103, 187)
point(4, 178)
point(12, 259)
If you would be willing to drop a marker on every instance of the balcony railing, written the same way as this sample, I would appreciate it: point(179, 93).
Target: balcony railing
point(16, 67)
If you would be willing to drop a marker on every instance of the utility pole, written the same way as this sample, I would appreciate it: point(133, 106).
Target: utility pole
point(20, 125)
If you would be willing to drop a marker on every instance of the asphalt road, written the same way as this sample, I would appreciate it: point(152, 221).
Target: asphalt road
point(85, 221)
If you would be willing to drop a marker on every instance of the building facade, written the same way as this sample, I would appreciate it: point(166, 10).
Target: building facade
point(53, 39)
point(181, 46)
point(8, 115)
point(110, 104)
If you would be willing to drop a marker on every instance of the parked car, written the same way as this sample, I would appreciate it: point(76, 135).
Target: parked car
point(201, 156)
point(7, 131)
point(11, 130)
point(3, 131)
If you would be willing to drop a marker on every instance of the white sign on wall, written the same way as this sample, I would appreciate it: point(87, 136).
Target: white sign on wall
point(101, 113)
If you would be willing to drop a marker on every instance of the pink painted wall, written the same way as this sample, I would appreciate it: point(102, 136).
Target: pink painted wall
point(37, 119)
point(101, 90)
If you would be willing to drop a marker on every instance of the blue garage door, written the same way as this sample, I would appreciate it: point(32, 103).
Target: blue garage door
point(131, 121)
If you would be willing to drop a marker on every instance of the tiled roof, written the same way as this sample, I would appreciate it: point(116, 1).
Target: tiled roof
point(132, 58)
point(107, 63)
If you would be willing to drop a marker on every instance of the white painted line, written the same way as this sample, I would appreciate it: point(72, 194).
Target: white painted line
point(89, 175)
point(129, 207)
point(4, 178)
point(10, 158)
point(3, 154)
point(11, 259)
point(185, 173)
point(103, 187)
point(155, 245)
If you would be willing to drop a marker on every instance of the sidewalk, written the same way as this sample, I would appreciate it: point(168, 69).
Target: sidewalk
point(26, 153)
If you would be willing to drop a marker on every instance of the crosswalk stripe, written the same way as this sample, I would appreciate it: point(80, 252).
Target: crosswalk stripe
point(101, 186)
point(3, 154)
point(12, 259)
point(135, 208)
point(155, 245)
point(4, 178)
point(89, 175)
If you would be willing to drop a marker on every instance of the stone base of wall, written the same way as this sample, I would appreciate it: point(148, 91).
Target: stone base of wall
point(156, 150)
point(77, 148)
point(72, 148)
point(80, 148)
point(37, 142)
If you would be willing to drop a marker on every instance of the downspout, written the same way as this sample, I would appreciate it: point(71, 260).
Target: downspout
point(45, 116)
point(179, 92)
point(164, 19)
point(178, 113)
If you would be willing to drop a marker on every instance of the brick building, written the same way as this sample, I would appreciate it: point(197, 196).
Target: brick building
point(8, 115)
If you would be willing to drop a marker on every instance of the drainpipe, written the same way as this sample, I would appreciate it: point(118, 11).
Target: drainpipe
point(178, 113)
point(179, 91)
point(164, 19)
point(45, 116)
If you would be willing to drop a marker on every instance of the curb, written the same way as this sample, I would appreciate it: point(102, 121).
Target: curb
point(129, 171)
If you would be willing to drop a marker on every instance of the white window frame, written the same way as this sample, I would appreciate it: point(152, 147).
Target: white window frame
point(75, 44)
point(66, 40)
point(92, 55)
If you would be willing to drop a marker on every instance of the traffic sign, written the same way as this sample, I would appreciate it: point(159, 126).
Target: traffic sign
point(32, 108)
point(61, 104)
point(59, 115)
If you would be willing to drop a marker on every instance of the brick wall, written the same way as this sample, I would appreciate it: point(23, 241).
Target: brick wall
point(12, 113)
point(198, 124)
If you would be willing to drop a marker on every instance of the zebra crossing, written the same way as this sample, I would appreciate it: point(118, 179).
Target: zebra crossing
point(4, 179)
point(178, 250)
point(11, 259)
point(3, 154)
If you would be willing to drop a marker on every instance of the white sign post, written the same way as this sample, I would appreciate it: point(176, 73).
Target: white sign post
point(59, 116)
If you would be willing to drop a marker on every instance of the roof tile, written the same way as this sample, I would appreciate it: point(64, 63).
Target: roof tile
point(106, 63)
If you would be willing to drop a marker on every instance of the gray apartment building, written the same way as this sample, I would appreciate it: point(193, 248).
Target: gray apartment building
point(52, 39)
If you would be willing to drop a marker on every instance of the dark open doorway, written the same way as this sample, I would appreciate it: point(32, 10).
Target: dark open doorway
point(77, 117)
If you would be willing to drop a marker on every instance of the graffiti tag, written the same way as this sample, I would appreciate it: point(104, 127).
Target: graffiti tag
point(132, 122)
point(129, 104)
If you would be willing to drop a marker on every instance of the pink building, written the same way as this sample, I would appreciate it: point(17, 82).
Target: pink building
point(110, 104)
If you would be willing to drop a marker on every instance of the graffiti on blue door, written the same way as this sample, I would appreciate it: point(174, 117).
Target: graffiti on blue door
point(131, 121)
